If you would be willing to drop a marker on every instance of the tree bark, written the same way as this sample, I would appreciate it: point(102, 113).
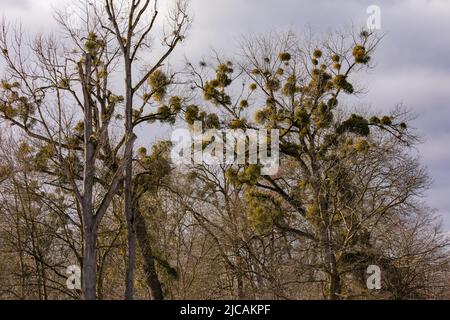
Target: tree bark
point(131, 257)
point(89, 270)
point(334, 278)
point(151, 275)
point(128, 185)
point(327, 243)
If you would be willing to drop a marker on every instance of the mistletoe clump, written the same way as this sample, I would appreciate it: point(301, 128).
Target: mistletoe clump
point(355, 124)
point(285, 57)
point(360, 54)
point(159, 83)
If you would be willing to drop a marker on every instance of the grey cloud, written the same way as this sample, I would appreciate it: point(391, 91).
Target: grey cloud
point(19, 4)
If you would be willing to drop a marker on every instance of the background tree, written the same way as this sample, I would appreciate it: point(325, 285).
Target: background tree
point(343, 174)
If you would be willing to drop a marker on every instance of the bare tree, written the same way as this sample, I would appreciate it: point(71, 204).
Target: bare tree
point(341, 173)
point(132, 22)
point(37, 99)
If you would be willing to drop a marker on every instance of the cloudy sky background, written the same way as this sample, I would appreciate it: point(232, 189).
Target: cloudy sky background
point(413, 62)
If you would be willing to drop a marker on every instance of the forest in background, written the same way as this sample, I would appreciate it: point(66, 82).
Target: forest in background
point(77, 189)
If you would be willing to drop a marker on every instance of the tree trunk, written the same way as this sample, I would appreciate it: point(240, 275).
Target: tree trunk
point(128, 184)
point(151, 275)
point(131, 257)
point(334, 279)
point(89, 271)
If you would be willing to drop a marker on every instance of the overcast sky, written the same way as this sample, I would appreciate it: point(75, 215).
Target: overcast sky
point(413, 62)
